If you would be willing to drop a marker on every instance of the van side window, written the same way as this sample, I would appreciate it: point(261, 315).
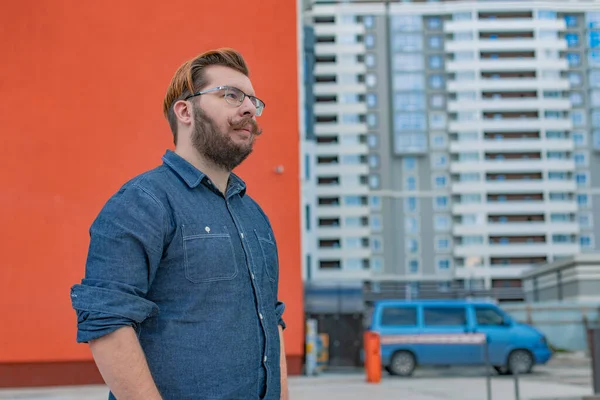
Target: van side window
point(488, 316)
point(445, 316)
point(399, 316)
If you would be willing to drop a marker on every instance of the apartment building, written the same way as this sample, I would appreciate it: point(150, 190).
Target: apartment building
point(455, 143)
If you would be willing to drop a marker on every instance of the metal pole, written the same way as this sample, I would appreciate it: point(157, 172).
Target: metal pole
point(516, 376)
point(595, 353)
point(488, 372)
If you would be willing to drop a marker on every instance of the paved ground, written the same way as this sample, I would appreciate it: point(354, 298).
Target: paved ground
point(562, 379)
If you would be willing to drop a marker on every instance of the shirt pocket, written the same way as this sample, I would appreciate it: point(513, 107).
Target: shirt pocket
point(208, 254)
point(269, 253)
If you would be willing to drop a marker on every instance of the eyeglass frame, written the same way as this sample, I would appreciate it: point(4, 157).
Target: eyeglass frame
point(216, 89)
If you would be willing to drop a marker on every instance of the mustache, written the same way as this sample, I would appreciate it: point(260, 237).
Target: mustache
point(247, 122)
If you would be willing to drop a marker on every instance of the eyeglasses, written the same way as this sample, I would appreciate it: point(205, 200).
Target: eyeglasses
point(235, 97)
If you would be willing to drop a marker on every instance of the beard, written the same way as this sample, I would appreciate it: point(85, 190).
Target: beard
point(218, 147)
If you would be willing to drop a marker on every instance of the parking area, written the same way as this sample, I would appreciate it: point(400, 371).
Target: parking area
point(561, 379)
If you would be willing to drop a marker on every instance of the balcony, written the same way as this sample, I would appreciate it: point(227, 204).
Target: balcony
point(503, 25)
point(515, 250)
point(509, 166)
point(336, 29)
point(514, 186)
point(335, 108)
point(338, 149)
point(510, 206)
point(338, 67)
point(524, 144)
point(509, 104)
point(335, 128)
point(322, 88)
point(335, 48)
point(505, 44)
point(503, 83)
point(356, 169)
point(507, 125)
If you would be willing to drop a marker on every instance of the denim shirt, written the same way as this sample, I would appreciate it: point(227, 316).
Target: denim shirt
point(195, 273)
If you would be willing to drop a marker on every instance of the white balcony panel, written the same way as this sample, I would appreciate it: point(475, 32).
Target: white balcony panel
point(513, 84)
point(339, 169)
point(347, 190)
point(503, 25)
point(531, 228)
point(338, 29)
point(341, 275)
point(335, 149)
point(339, 108)
point(507, 44)
point(512, 166)
point(335, 88)
point(340, 232)
point(511, 104)
point(510, 125)
point(514, 187)
point(495, 272)
point(510, 145)
point(342, 211)
point(339, 68)
point(337, 128)
point(334, 48)
point(515, 250)
point(515, 207)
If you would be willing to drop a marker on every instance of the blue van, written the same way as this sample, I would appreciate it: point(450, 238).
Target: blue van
point(412, 333)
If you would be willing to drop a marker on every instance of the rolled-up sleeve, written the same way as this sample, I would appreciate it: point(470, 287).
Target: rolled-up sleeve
point(126, 245)
point(279, 309)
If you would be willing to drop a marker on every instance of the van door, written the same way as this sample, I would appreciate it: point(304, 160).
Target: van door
point(491, 321)
point(445, 322)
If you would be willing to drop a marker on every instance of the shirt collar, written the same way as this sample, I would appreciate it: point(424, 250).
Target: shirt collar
point(192, 176)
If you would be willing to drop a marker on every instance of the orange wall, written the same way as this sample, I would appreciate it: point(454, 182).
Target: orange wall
point(81, 90)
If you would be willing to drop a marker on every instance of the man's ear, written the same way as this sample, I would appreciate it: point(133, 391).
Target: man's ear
point(183, 112)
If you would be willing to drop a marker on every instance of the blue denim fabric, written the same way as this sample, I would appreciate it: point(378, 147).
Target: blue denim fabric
point(196, 275)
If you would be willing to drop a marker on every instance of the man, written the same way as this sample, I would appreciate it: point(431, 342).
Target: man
point(179, 300)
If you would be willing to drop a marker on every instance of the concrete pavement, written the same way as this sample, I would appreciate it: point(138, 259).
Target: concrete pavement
point(560, 380)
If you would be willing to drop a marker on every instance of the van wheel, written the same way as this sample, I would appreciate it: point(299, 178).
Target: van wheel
point(403, 363)
point(520, 361)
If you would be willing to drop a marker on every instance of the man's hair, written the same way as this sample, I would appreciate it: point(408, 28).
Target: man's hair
point(191, 77)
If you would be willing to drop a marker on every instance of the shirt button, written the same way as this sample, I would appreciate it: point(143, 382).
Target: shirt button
point(265, 359)
point(252, 275)
point(242, 235)
point(260, 315)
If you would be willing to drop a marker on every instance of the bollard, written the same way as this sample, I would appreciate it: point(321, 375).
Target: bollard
point(372, 356)
point(488, 368)
point(595, 355)
point(516, 377)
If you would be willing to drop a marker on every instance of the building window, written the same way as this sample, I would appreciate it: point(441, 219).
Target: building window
point(579, 138)
point(442, 243)
point(443, 264)
point(372, 140)
point(585, 220)
point(375, 203)
point(572, 39)
point(437, 101)
point(442, 222)
point(369, 21)
point(580, 159)
point(435, 62)
point(369, 41)
point(412, 246)
point(410, 163)
point(375, 223)
point(372, 100)
point(370, 60)
point(377, 264)
point(413, 266)
point(371, 80)
point(439, 160)
point(372, 120)
point(434, 22)
point(582, 179)
point(575, 78)
point(438, 141)
point(571, 21)
point(412, 225)
point(583, 200)
point(374, 181)
point(440, 181)
point(436, 81)
point(410, 183)
point(376, 244)
point(586, 241)
point(440, 203)
point(435, 42)
point(410, 205)
point(576, 98)
point(437, 121)
point(573, 59)
point(578, 118)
